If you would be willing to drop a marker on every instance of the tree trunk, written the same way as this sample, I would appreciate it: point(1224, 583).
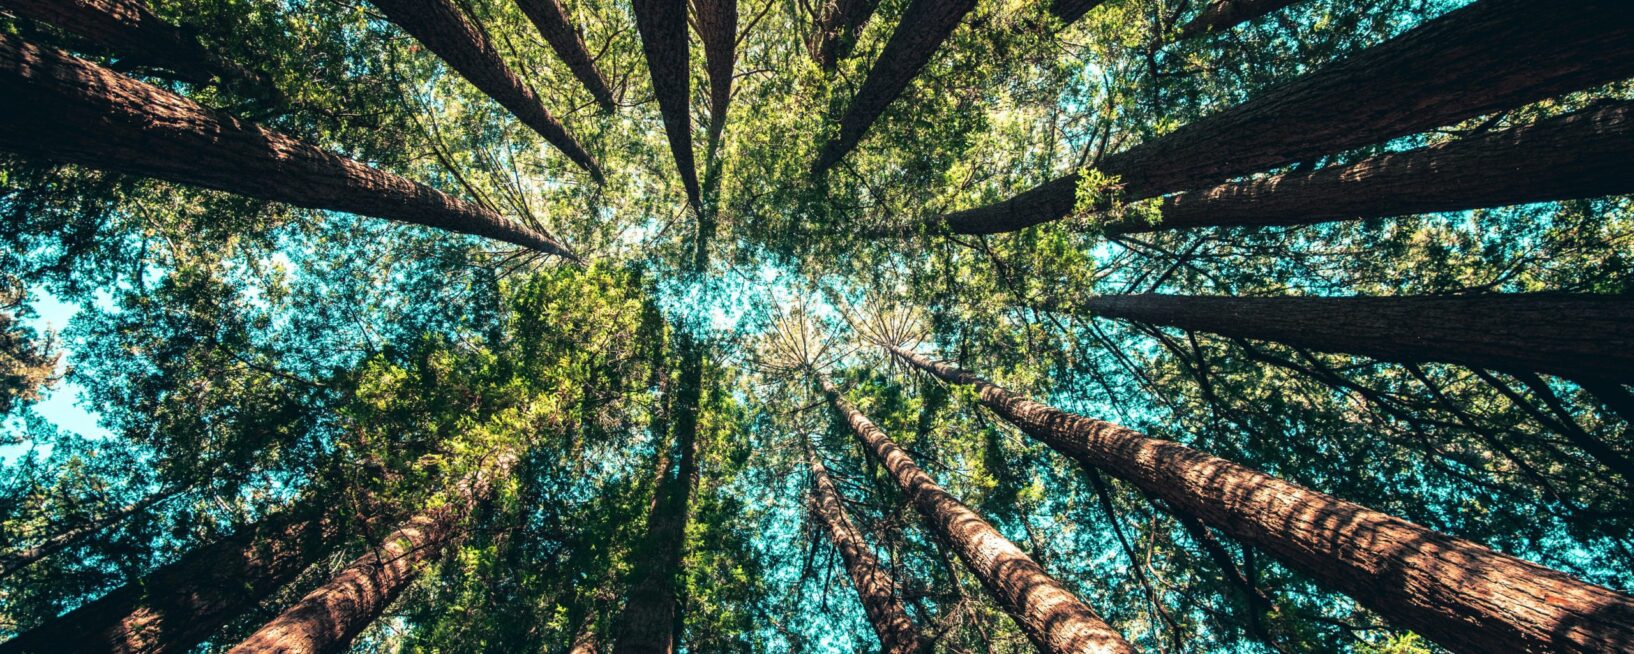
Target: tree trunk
point(551, 19)
point(178, 606)
point(924, 26)
point(875, 587)
point(1455, 592)
point(1582, 155)
point(717, 22)
point(64, 109)
point(663, 27)
point(1053, 618)
point(1069, 11)
point(1488, 56)
point(835, 30)
point(440, 26)
point(1221, 15)
point(14, 561)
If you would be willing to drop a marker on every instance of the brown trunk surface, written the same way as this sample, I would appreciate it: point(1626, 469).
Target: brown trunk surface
point(663, 27)
point(924, 26)
point(717, 22)
point(14, 561)
point(835, 30)
point(1485, 57)
point(1582, 155)
point(1053, 618)
point(64, 109)
point(875, 587)
point(1069, 11)
point(551, 19)
point(1221, 15)
point(1457, 593)
point(440, 26)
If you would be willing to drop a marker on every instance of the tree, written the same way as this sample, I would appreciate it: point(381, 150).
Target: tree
point(717, 25)
point(28, 364)
point(13, 561)
point(1069, 11)
point(663, 28)
point(834, 30)
point(551, 19)
point(1221, 15)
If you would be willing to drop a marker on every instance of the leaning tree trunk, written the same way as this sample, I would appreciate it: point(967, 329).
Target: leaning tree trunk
point(875, 587)
point(178, 606)
point(1221, 15)
point(61, 108)
point(1485, 57)
point(835, 28)
point(1455, 592)
point(1069, 11)
point(440, 26)
point(924, 26)
point(717, 22)
point(1053, 618)
point(11, 562)
point(663, 28)
point(1581, 155)
point(551, 19)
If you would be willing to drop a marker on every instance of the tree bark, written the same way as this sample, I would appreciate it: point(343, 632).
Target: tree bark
point(835, 30)
point(1581, 155)
point(14, 561)
point(551, 19)
point(1457, 593)
point(440, 26)
point(1069, 11)
point(717, 22)
point(1488, 56)
point(1221, 15)
point(64, 109)
point(924, 26)
point(1053, 618)
point(663, 28)
point(178, 606)
point(873, 583)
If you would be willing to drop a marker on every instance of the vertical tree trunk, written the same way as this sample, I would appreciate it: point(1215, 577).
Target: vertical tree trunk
point(924, 26)
point(440, 26)
point(1455, 592)
point(663, 27)
point(835, 29)
point(1053, 618)
point(64, 109)
point(551, 19)
point(717, 22)
point(875, 587)
point(1069, 11)
point(1221, 15)
point(14, 561)
point(1581, 155)
point(1485, 57)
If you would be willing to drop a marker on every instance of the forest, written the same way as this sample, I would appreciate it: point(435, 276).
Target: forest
point(816, 326)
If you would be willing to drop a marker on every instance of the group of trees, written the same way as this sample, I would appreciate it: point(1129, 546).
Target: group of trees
point(902, 325)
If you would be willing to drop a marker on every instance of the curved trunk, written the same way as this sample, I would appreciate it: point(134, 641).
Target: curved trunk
point(440, 26)
point(1488, 56)
point(1069, 11)
point(1455, 592)
point(12, 562)
point(663, 28)
point(835, 30)
point(717, 22)
point(550, 17)
point(875, 587)
point(1581, 155)
point(61, 108)
point(1053, 618)
point(924, 26)
point(1221, 15)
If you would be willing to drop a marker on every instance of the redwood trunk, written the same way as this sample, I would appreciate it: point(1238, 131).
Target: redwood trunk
point(1582, 155)
point(875, 587)
point(12, 562)
point(663, 27)
point(838, 22)
point(440, 26)
point(550, 17)
point(1221, 15)
point(718, 29)
point(1488, 56)
point(1069, 11)
point(1455, 592)
point(64, 109)
point(925, 25)
point(1053, 618)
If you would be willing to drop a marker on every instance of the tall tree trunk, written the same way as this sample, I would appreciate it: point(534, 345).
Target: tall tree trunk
point(1455, 592)
point(835, 29)
point(446, 32)
point(1485, 57)
point(178, 606)
point(1069, 11)
point(1053, 618)
point(128, 29)
point(663, 27)
point(875, 587)
point(717, 22)
point(1581, 155)
point(924, 26)
point(551, 19)
point(64, 109)
point(13, 561)
point(1221, 15)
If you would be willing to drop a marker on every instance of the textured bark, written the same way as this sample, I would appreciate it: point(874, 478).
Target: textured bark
point(1221, 15)
point(717, 22)
point(551, 19)
point(178, 606)
point(1069, 11)
point(1053, 618)
point(14, 561)
point(446, 32)
point(875, 587)
point(1572, 336)
point(835, 29)
point(1488, 56)
point(1457, 593)
point(64, 109)
point(924, 26)
point(1582, 155)
point(663, 27)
